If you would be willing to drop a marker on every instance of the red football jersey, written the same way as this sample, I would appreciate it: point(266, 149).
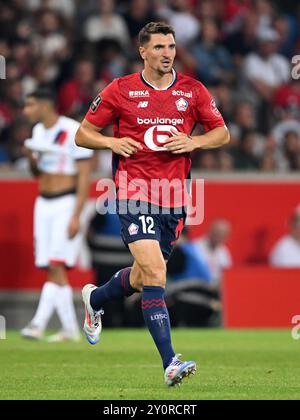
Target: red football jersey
point(147, 115)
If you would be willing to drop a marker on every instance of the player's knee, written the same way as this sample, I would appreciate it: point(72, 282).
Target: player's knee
point(154, 275)
point(57, 275)
point(137, 283)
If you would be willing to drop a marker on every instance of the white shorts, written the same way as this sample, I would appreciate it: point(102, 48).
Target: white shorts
point(51, 221)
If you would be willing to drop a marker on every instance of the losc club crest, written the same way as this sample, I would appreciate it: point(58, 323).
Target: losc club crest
point(133, 229)
point(182, 104)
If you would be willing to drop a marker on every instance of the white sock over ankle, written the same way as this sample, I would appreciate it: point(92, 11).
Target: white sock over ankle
point(66, 310)
point(46, 305)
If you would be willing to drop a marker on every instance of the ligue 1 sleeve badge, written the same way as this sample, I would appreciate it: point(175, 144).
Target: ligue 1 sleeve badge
point(182, 104)
point(214, 108)
point(96, 102)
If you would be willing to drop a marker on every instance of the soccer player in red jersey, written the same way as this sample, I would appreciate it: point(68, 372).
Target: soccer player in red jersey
point(153, 114)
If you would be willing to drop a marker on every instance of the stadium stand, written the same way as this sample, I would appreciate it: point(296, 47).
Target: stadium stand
point(242, 50)
point(245, 51)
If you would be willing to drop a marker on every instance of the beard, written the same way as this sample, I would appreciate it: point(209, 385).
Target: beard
point(163, 71)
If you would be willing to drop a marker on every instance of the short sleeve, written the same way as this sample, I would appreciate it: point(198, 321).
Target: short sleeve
point(104, 109)
point(34, 143)
point(206, 111)
point(36, 134)
point(35, 130)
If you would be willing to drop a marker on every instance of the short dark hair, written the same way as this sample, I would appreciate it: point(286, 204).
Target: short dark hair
point(154, 28)
point(43, 93)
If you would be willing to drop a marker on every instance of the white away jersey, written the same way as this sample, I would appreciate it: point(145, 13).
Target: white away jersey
point(56, 149)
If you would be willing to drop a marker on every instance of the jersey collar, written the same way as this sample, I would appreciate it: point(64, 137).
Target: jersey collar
point(154, 87)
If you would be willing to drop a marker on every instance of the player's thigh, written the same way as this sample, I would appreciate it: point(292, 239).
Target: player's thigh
point(41, 232)
point(141, 233)
point(138, 223)
point(57, 273)
point(172, 227)
point(151, 266)
point(63, 249)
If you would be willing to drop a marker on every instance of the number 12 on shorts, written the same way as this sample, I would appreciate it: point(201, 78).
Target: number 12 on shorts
point(147, 224)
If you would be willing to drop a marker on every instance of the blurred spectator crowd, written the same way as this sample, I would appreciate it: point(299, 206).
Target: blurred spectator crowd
point(242, 50)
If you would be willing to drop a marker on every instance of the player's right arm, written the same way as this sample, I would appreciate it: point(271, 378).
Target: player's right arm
point(104, 110)
point(88, 135)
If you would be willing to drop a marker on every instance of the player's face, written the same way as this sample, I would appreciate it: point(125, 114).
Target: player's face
point(159, 53)
point(33, 110)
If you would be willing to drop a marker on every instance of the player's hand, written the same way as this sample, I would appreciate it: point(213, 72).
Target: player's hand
point(125, 146)
point(74, 227)
point(180, 143)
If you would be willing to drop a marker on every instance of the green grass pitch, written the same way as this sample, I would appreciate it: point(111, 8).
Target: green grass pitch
point(125, 365)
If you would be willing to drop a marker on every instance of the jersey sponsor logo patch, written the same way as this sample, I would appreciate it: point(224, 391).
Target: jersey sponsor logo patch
point(133, 229)
point(139, 94)
point(157, 120)
point(214, 108)
point(143, 104)
point(181, 93)
point(156, 136)
point(182, 104)
point(96, 102)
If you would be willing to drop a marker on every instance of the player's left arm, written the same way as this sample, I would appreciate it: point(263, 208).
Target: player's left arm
point(205, 112)
point(83, 186)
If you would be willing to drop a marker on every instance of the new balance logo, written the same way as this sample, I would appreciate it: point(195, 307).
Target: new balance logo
point(139, 94)
point(143, 104)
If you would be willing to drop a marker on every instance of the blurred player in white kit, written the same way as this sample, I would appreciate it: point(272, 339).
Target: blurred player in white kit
point(63, 171)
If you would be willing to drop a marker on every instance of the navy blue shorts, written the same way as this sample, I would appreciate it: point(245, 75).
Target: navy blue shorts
point(141, 220)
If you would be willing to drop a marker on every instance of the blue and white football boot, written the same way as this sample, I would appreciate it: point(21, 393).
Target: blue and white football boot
point(178, 370)
point(92, 324)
